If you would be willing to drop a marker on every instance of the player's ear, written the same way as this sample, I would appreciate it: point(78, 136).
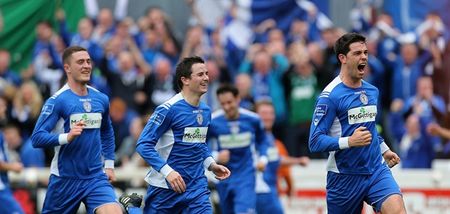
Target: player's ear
point(185, 80)
point(342, 58)
point(66, 67)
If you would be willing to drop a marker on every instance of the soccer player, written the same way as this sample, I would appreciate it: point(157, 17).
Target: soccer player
point(238, 133)
point(173, 143)
point(7, 202)
point(78, 172)
point(267, 199)
point(344, 125)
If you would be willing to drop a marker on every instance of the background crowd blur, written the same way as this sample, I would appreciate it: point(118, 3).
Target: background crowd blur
point(277, 50)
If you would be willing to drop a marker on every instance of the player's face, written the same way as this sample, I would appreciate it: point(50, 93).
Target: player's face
point(230, 104)
point(267, 114)
point(79, 67)
point(199, 78)
point(356, 60)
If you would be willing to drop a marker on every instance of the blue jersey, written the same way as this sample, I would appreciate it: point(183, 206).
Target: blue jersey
point(241, 137)
point(273, 157)
point(175, 138)
point(81, 158)
point(339, 111)
point(4, 181)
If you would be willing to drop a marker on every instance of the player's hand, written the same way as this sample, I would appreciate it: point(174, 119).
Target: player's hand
point(223, 157)
point(261, 166)
point(220, 172)
point(16, 167)
point(360, 137)
point(110, 174)
point(176, 182)
point(303, 161)
point(391, 158)
point(76, 131)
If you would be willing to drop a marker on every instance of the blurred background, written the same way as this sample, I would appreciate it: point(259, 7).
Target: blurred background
point(278, 50)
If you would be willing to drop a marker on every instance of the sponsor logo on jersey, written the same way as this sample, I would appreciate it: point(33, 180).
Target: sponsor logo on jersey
point(91, 120)
point(47, 109)
point(195, 134)
point(362, 114)
point(319, 112)
point(233, 141)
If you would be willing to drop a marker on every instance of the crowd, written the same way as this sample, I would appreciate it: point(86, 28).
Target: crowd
point(134, 61)
point(288, 66)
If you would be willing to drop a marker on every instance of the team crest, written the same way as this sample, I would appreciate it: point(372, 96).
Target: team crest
point(363, 98)
point(87, 106)
point(199, 118)
point(234, 129)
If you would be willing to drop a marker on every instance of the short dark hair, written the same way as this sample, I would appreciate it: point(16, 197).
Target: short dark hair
point(69, 51)
point(342, 45)
point(184, 69)
point(225, 88)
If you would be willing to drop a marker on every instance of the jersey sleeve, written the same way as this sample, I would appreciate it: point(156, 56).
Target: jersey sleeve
point(156, 126)
point(324, 115)
point(107, 137)
point(207, 155)
point(262, 143)
point(49, 116)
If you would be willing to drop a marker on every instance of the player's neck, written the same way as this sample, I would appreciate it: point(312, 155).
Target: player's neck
point(349, 81)
point(191, 98)
point(78, 88)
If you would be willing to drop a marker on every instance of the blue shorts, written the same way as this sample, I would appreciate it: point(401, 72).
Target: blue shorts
point(160, 200)
point(8, 203)
point(237, 197)
point(268, 203)
point(346, 193)
point(65, 195)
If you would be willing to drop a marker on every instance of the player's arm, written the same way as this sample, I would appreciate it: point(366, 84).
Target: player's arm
point(156, 126)
point(324, 115)
point(221, 172)
point(107, 140)
point(42, 136)
point(262, 145)
point(13, 166)
point(389, 156)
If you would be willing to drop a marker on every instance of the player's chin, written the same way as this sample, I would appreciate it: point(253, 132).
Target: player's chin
point(203, 88)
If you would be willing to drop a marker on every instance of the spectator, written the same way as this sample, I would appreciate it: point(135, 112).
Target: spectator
point(300, 93)
point(5, 71)
point(26, 107)
point(162, 83)
point(417, 147)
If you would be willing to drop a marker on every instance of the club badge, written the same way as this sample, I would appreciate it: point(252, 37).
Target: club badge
point(87, 106)
point(363, 98)
point(234, 128)
point(199, 118)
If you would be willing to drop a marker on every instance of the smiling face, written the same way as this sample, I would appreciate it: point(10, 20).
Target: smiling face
point(355, 60)
point(198, 82)
point(78, 68)
point(230, 104)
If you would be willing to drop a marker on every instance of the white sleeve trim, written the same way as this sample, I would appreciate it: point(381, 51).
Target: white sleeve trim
point(109, 164)
point(207, 162)
point(343, 143)
point(215, 154)
point(264, 159)
point(166, 170)
point(384, 147)
point(62, 139)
